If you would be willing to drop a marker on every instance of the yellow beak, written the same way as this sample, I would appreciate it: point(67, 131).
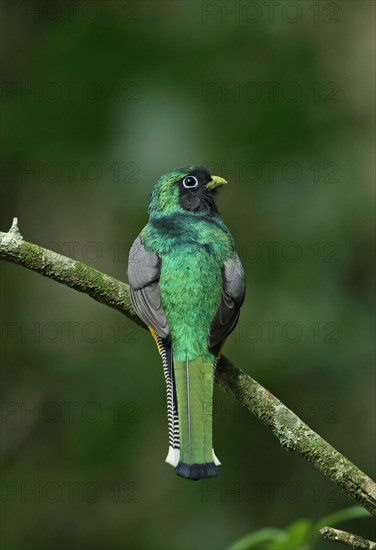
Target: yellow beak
point(216, 181)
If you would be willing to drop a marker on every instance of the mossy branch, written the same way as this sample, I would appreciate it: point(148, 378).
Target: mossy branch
point(101, 287)
point(347, 538)
point(293, 434)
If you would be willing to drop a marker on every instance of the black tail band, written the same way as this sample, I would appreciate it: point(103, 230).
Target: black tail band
point(196, 471)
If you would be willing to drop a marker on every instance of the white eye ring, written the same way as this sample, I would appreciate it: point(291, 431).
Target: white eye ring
point(190, 182)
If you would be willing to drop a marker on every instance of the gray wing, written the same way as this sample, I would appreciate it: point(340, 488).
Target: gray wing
point(233, 293)
point(144, 269)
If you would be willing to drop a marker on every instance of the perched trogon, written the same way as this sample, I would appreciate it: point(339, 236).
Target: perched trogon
point(187, 284)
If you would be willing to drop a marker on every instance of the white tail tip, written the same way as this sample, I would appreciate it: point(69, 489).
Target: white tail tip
point(173, 456)
point(216, 460)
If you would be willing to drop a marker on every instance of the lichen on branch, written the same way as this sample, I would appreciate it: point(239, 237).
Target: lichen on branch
point(347, 538)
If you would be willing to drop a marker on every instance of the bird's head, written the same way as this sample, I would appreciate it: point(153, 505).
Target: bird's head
point(185, 190)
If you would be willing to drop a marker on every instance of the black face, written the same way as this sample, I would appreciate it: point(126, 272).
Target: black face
point(193, 195)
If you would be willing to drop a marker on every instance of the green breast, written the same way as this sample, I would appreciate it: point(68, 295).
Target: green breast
point(192, 253)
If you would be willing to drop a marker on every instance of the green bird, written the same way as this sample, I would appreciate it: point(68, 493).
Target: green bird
point(187, 284)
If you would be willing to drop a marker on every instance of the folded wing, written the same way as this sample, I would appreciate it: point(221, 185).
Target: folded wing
point(233, 293)
point(144, 269)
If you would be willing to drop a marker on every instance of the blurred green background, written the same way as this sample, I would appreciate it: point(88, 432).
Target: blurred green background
point(98, 100)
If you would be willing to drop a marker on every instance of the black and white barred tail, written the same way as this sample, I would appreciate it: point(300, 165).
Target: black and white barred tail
point(165, 352)
point(167, 357)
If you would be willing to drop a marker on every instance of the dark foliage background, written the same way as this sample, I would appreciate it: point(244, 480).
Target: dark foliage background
point(98, 100)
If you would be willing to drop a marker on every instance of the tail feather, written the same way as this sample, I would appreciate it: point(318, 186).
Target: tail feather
point(173, 456)
point(172, 405)
point(196, 471)
point(189, 388)
point(216, 459)
point(194, 385)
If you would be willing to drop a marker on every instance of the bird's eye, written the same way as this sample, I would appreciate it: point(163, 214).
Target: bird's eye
point(190, 182)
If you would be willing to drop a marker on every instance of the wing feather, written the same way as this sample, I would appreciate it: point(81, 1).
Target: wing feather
point(233, 293)
point(144, 269)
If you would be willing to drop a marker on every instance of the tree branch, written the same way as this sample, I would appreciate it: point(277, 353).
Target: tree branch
point(293, 434)
point(101, 287)
point(348, 538)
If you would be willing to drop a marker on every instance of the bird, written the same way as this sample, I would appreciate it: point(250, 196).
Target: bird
point(187, 285)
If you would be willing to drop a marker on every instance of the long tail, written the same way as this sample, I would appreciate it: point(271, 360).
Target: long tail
point(194, 388)
point(189, 387)
point(165, 352)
